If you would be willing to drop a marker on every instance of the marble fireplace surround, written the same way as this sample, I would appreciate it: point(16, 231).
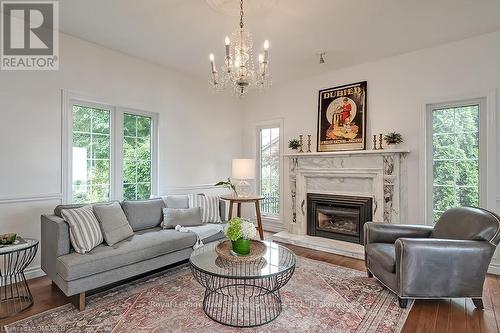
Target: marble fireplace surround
point(378, 174)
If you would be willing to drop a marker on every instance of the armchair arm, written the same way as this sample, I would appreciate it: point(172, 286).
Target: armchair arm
point(442, 267)
point(376, 232)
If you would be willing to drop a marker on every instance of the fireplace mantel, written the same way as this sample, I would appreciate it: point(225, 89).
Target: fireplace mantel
point(350, 152)
point(378, 174)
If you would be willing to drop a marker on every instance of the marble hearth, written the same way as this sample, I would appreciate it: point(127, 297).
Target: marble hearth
point(377, 174)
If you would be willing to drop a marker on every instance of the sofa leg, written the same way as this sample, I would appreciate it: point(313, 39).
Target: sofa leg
point(403, 302)
point(53, 285)
point(478, 302)
point(78, 301)
point(370, 275)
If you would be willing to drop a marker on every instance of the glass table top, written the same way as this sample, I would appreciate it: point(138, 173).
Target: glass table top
point(276, 260)
point(20, 244)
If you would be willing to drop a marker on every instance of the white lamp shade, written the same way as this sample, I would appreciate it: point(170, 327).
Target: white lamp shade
point(243, 168)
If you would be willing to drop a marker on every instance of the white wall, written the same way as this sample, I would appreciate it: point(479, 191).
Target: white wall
point(398, 89)
point(199, 131)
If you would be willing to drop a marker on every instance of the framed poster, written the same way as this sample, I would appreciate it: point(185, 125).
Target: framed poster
point(342, 118)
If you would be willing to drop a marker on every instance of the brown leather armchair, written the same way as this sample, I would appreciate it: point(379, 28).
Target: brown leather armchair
point(421, 262)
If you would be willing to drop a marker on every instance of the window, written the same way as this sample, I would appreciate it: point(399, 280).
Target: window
point(111, 153)
point(137, 157)
point(91, 154)
point(269, 169)
point(455, 156)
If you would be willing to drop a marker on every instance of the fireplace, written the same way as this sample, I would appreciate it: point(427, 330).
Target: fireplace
point(338, 217)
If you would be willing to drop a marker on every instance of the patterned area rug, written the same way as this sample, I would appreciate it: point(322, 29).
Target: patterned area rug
point(320, 297)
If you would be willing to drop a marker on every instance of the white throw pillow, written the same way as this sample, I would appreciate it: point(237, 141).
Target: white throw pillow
point(84, 230)
point(209, 205)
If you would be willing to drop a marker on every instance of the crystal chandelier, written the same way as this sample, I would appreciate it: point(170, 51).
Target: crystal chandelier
point(239, 72)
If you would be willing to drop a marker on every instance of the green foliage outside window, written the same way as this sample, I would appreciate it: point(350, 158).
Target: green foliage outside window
point(137, 157)
point(269, 170)
point(91, 155)
point(455, 153)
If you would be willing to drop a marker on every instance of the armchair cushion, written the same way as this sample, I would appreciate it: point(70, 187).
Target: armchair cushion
point(468, 223)
point(382, 254)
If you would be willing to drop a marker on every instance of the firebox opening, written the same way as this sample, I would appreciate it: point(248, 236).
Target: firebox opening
point(338, 217)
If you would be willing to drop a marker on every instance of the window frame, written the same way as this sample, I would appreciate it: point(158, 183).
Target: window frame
point(484, 151)
point(116, 144)
point(278, 123)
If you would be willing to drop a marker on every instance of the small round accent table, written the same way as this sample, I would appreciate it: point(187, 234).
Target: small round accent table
point(15, 295)
point(255, 199)
point(243, 294)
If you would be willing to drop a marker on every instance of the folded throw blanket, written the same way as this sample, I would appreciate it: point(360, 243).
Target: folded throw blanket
point(201, 232)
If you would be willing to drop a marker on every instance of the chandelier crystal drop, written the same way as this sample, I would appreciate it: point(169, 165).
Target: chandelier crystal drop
point(238, 72)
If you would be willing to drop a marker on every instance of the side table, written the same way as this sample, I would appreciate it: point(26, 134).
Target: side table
point(15, 295)
point(251, 199)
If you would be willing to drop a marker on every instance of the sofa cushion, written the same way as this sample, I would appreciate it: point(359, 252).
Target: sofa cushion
point(84, 230)
point(113, 222)
point(382, 254)
point(209, 205)
point(144, 245)
point(176, 201)
point(59, 208)
point(213, 238)
point(143, 214)
point(188, 217)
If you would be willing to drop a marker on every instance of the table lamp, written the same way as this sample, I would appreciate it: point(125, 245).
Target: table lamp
point(243, 169)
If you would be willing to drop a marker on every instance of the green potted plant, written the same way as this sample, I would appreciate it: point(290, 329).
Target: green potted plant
point(239, 231)
point(228, 184)
point(392, 139)
point(294, 144)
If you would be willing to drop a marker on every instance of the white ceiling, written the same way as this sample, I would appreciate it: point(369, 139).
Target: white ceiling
point(181, 33)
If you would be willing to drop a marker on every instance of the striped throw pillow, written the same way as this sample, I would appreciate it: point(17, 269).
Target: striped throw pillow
point(84, 230)
point(209, 205)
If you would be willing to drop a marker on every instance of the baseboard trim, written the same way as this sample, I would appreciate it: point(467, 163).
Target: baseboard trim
point(273, 226)
point(494, 269)
point(33, 272)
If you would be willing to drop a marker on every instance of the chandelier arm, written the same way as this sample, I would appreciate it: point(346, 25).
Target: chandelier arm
point(241, 14)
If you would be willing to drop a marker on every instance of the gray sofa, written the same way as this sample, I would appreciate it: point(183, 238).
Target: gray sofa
point(445, 261)
point(149, 249)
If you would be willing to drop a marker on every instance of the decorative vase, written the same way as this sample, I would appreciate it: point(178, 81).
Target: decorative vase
point(241, 246)
point(391, 146)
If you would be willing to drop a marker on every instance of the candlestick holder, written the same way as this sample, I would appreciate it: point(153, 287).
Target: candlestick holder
point(301, 141)
point(374, 142)
point(380, 141)
point(309, 143)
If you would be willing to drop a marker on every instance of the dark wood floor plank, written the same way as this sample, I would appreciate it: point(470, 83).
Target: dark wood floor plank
point(422, 317)
point(494, 291)
point(443, 316)
point(458, 320)
point(473, 317)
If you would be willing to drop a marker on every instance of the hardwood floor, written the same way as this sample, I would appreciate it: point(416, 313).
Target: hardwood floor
point(429, 316)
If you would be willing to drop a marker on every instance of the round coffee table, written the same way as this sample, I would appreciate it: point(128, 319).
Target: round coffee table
point(15, 295)
point(243, 294)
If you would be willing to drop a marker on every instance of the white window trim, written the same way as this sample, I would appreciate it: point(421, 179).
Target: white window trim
point(116, 144)
point(487, 150)
point(275, 218)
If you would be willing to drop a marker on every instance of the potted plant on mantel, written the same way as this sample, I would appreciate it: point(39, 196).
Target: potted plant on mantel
point(294, 144)
point(392, 139)
point(240, 231)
